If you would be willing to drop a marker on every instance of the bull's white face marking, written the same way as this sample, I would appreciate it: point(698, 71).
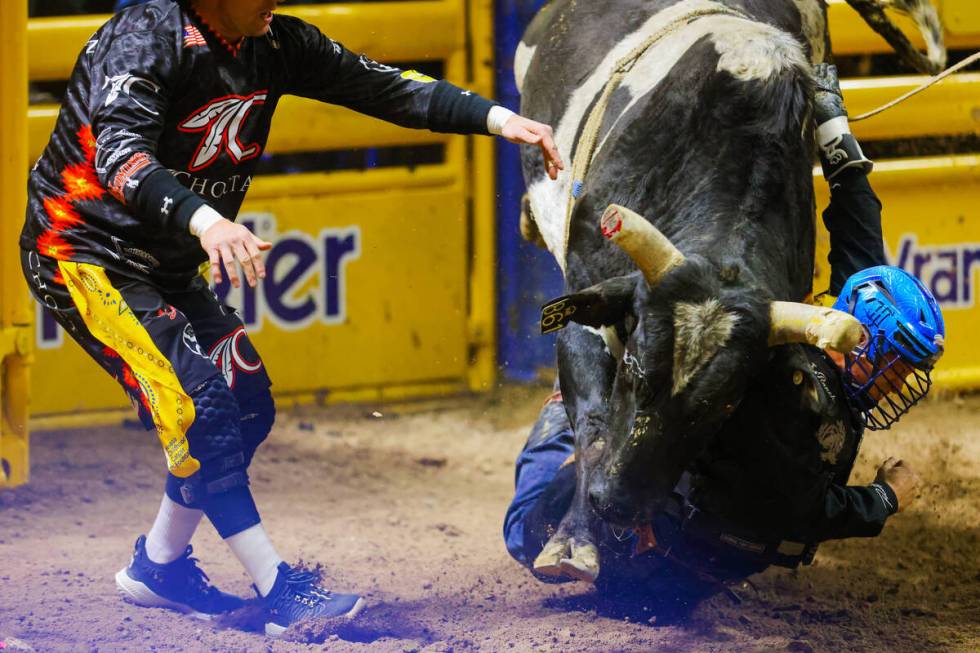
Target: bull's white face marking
point(614, 346)
point(814, 28)
point(700, 330)
point(522, 61)
point(549, 200)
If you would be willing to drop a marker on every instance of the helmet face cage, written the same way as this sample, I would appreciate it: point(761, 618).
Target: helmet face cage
point(889, 386)
point(889, 372)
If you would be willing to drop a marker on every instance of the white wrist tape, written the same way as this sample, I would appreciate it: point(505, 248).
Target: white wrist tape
point(833, 128)
point(497, 118)
point(203, 219)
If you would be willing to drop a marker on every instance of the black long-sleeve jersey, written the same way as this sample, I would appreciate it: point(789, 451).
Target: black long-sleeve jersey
point(162, 115)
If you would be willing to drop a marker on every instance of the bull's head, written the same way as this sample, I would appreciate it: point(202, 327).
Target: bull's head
point(690, 335)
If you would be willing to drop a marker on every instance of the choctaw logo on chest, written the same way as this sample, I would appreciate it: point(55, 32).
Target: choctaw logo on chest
point(222, 121)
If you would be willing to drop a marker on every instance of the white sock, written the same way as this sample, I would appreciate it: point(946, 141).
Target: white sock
point(255, 551)
point(172, 531)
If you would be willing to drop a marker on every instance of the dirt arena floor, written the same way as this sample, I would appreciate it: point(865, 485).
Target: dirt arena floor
point(407, 507)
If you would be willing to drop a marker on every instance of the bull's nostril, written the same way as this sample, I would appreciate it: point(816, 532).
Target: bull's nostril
point(599, 494)
point(595, 498)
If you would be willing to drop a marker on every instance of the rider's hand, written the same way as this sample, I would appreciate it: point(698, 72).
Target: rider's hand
point(523, 131)
point(901, 479)
point(225, 241)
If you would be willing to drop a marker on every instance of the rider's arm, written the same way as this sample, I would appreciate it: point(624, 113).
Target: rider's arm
point(322, 69)
point(854, 511)
point(853, 219)
point(130, 87)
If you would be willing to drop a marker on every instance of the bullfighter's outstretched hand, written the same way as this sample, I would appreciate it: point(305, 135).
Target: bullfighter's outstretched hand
point(524, 131)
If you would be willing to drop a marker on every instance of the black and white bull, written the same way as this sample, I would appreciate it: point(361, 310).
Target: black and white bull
point(692, 232)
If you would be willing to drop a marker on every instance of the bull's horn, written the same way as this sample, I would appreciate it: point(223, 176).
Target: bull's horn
point(649, 249)
point(814, 325)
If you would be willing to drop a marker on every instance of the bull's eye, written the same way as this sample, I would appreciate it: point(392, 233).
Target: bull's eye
point(729, 273)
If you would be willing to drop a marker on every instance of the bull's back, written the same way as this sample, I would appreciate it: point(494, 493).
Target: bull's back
point(575, 46)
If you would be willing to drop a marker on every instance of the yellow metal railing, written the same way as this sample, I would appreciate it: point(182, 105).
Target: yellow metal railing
point(851, 35)
point(390, 31)
point(950, 107)
point(15, 312)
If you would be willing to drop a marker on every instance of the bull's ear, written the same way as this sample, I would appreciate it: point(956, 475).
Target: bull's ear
point(603, 304)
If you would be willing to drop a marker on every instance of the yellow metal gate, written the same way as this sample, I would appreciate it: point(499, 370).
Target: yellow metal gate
point(15, 311)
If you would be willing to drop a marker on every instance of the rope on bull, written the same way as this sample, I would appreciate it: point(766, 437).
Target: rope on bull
point(590, 133)
point(933, 81)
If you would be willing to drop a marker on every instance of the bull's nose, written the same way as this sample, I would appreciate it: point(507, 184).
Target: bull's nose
point(611, 505)
point(616, 504)
point(598, 493)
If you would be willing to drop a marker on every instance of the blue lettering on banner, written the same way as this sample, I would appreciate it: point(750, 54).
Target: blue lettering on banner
point(49, 334)
point(306, 281)
point(947, 270)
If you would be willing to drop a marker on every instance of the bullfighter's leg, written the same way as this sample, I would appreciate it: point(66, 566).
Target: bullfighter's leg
point(586, 371)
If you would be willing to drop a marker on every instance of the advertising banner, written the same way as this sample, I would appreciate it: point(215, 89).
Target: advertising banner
point(363, 290)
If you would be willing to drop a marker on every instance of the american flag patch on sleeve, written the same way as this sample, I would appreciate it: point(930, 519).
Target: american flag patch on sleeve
point(193, 36)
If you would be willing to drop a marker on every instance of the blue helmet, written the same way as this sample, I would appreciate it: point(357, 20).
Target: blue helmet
point(889, 372)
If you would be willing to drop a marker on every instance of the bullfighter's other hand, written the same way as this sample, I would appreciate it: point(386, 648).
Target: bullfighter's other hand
point(226, 241)
point(901, 479)
point(524, 131)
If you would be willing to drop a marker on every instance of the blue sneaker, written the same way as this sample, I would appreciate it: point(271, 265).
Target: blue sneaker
point(296, 597)
point(179, 585)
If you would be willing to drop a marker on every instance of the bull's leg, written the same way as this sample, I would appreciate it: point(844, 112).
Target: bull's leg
point(572, 550)
point(586, 371)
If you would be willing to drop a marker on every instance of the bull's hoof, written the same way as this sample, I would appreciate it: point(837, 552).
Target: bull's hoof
point(549, 560)
point(583, 564)
point(568, 559)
